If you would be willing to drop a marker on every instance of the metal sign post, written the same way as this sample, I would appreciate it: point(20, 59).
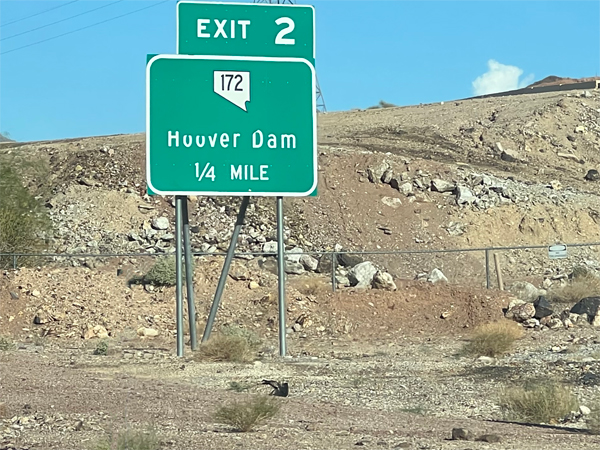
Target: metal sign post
point(189, 273)
point(281, 277)
point(178, 275)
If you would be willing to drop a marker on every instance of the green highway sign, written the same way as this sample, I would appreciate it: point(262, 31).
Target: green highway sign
point(246, 29)
point(224, 125)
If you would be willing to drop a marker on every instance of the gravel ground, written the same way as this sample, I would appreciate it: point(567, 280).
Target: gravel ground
point(409, 393)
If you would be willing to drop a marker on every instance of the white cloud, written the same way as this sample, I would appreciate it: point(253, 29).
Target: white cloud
point(500, 78)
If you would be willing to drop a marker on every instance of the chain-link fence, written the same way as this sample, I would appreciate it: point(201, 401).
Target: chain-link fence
point(477, 267)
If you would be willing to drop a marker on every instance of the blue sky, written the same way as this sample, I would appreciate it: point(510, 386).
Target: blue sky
point(92, 82)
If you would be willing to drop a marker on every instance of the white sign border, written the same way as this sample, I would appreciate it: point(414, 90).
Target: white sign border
point(243, 193)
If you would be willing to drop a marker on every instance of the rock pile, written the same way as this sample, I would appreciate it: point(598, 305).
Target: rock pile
point(479, 190)
point(541, 314)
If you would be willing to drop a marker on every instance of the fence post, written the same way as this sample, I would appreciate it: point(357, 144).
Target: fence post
point(333, 281)
point(487, 268)
point(498, 271)
point(14, 262)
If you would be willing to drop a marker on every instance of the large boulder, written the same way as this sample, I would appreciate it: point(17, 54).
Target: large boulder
point(324, 265)
point(294, 254)
point(387, 175)
point(349, 259)
point(588, 305)
point(526, 291)
point(464, 195)
point(522, 312)
point(294, 268)
point(383, 280)
point(270, 247)
point(543, 308)
point(439, 185)
point(362, 274)
point(309, 262)
point(375, 172)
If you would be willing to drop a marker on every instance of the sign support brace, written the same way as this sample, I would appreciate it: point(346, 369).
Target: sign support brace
point(225, 272)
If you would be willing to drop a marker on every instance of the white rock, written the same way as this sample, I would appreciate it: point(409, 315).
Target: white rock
point(514, 302)
point(526, 291)
point(531, 323)
point(309, 262)
point(442, 185)
point(406, 188)
point(584, 410)
point(486, 359)
point(294, 268)
point(270, 247)
point(464, 196)
point(362, 274)
point(342, 280)
point(294, 254)
point(436, 276)
point(392, 202)
point(160, 223)
point(147, 332)
point(376, 172)
point(522, 312)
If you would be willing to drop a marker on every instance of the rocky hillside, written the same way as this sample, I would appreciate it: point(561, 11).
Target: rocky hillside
point(499, 171)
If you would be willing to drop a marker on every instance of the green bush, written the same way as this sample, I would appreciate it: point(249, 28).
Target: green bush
point(542, 403)
point(6, 344)
point(101, 348)
point(129, 440)
point(163, 272)
point(238, 386)
point(245, 415)
point(24, 222)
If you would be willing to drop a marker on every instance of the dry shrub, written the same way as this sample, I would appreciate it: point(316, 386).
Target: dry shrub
point(226, 348)
point(130, 440)
point(493, 339)
point(543, 403)
point(582, 286)
point(245, 415)
point(250, 336)
point(3, 411)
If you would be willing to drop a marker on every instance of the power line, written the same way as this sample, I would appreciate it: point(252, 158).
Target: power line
point(37, 14)
point(84, 28)
point(59, 21)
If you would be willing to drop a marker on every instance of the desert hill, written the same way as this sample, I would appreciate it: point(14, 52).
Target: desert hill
point(515, 170)
point(84, 352)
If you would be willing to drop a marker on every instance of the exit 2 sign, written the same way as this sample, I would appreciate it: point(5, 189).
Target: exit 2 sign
point(246, 29)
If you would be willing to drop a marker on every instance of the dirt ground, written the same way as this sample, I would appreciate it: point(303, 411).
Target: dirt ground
point(401, 393)
point(368, 368)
